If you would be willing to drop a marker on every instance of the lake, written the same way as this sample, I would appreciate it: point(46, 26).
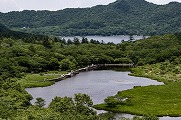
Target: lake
point(115, 39)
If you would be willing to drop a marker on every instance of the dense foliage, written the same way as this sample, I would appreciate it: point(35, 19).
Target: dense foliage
point(41, 54)
point(13, 97)
point(120, 17)
point(167, 72)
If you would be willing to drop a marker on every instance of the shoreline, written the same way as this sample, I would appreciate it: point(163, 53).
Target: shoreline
point(165, 93)
point(73, 73)
point(45, 80)
point(90, 68)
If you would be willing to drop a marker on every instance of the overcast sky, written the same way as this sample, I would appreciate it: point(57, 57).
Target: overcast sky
point(19, 5)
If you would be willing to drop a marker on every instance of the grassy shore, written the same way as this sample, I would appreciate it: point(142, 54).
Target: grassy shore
point(39, 80)
point(161, 100)
point(163, 72)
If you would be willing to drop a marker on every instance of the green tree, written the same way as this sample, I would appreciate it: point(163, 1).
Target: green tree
point(84, 40)
point(76, 41)
point(69, 42)
point(111, 101)
point(53, 64)
point(66, 64)
point(131, 38)
point(65, 104)
point(47, 43)
point(40, 102)
point(83, 104)
point(122, 60)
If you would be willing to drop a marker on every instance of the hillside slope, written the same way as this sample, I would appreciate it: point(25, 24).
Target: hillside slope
point(120, 17)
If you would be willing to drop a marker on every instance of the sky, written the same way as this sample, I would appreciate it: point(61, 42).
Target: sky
point(19, 5)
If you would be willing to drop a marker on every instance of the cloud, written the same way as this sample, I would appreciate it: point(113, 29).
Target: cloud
point(90, 3)
point(162, 1)
point(17, 5)
point(8, 5)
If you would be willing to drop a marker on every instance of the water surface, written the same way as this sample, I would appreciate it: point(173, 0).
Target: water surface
point(98, 84)
point(115, 39)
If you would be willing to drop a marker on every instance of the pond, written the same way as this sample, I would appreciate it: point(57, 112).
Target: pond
point(98, 84)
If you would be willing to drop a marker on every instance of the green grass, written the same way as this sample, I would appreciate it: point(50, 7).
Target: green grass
point(165, 73)
point(161, 100)
point(39, 80)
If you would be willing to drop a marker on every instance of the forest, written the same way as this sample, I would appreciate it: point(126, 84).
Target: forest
point(52, 53)
point(122, 17)
point(23, 53)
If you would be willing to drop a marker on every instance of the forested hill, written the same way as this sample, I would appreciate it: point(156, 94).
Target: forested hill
point(120, 17)
point(26, 37)
point(3, 28)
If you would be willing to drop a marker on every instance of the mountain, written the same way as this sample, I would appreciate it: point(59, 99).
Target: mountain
point(3, 28)
point(120, 17)
point(17, 35)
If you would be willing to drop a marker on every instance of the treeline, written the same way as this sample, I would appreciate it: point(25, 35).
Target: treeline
point(122, 17)
point(18, 57)
point(154, 49)
point(26, 37)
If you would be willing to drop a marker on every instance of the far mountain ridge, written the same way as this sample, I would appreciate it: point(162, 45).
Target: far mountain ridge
point(3, 28)
point(119, 17)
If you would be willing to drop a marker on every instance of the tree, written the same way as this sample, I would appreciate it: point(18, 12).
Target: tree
point(53, 64)
point(46, 43)
point(111, 101)
point(84, 40)
point(122, 60)
point(63, 41)
point(83, 104)
point(131, 38)
point(66, 64)
point(76, 41)
point(64, 104)
point(69, 42)
point(40, 102)
point(122, 46)
point(6, 107)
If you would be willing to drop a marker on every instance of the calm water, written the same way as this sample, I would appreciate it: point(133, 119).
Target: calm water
point(115, 39)
point(98, 84)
